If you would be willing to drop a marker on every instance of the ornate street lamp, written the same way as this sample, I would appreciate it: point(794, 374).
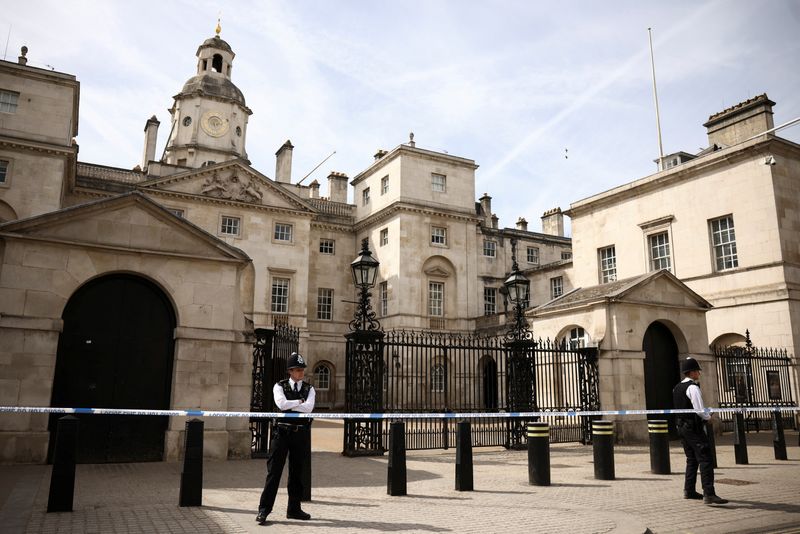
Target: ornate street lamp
point(517, 287)
point(365, 271)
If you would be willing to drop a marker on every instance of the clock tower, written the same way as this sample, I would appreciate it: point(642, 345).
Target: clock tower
point(209, 116)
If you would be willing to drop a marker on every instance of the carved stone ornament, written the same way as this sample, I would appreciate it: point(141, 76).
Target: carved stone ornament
point(241, 188)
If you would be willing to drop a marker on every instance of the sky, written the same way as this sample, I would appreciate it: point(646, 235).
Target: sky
point(553, 101)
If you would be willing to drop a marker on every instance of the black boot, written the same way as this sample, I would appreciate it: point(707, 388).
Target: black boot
point(261, 518)
point(713, 499)
point(692, 495)
point(297, 514)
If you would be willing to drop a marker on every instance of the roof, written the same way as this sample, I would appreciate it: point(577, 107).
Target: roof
point(215, 42)
point(214, 85)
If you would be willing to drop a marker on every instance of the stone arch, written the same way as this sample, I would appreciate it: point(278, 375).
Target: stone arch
point(661, 368)
point(439, 271)
point(572, 333)
point(729, 339)
point(7, 213)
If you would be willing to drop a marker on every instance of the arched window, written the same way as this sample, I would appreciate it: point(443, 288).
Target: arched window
point(437, 378)
point(322, 377)
point(216, 63)
point(577, 338)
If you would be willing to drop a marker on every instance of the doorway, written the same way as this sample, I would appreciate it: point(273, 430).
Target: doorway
point(661, 371)
point(116, 351)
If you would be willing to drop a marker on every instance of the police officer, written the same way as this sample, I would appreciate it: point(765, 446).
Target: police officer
point(691, 428)
point(288, 436)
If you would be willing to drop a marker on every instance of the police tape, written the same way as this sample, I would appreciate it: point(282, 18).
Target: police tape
point(394, 416)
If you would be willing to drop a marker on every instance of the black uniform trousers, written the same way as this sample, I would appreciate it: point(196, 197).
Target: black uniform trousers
point(286, 439)
point(698, 455)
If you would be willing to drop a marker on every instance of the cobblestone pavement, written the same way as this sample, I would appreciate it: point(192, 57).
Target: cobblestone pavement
point(349, 495)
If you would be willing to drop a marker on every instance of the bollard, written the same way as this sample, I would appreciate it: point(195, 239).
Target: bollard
point(739, 439)
point(659, 446)
point(778, 439)
point(62, 478)
point(712, 443)
point(464, 457)
point(538, 454)
point(306, 473)
point(603, 448)
point(396, 482)
point(191, 493)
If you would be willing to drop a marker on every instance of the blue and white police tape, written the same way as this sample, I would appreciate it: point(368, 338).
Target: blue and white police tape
point(422, 415)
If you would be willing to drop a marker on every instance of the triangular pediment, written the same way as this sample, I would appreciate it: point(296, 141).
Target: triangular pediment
point(232, 181)
point(437, 271)
point(663, 287)
point(126, 222)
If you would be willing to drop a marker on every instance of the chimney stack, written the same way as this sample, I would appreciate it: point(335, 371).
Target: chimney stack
point(522, 224)
point(313, 190)
point(283, 163)
point(150, 136)
point(553, 222)
point(740, 122)
point(379, 154)
point(494, 221)
point(337, 187)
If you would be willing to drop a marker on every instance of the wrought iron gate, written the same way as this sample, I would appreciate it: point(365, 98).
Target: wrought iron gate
point(754, 377)
point(440, 372)
point(270, 354)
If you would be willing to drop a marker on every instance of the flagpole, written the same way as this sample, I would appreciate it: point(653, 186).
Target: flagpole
point(655, 98)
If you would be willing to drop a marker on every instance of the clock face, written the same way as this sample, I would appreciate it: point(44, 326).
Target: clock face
point(214, 124)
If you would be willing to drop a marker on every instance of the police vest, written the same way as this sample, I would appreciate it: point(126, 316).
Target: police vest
point(681, 401)
point(291, 394)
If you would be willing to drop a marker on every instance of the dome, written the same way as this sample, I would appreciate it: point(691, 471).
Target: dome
point(214, 85)
point(215, 42)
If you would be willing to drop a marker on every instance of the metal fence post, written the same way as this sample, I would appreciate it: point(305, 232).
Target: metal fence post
point(396, 482)
point(739, 439)
point(62, 478)
point(659, 446)
point(603, 448)
point(778, 439)
point(538, 454)
point(191, 493)
point(464, 481)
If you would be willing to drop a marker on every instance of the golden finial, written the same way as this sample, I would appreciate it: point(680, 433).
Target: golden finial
point(219, 28)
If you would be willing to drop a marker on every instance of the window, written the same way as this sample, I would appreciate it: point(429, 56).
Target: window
point(577, 338)
point(283, 232)
point(280, 295)
point(489, 300)
point(438, 183)
point(556, 287)
point(322, 377)
point(365, 197)
point(383, 290)
point(489, 248)
point(659, 251)
point(175, 211)
point(566, 255)
point(327, 246)
point(437, 378)
point(4, 164)
point(436, 299)
point(533, 255)
point(384, 185)
point(230, 225)
point(438, 235)
point(723, 240)
point(608, 264)
point(324, 304)
point(8, 101)
point(384, 240)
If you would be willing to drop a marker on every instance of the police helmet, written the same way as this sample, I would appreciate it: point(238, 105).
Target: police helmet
point(296, 361)
point(689, 364)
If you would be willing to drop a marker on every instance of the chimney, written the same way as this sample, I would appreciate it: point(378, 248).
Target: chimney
point(553, 222)
point(522, 224)
point(313, 190)
point(150, 135)
point(337, 187)
point(22, 59)
point(494, 221)
point(379, 154)
point(486, 205)
point(740, 122)
point(283, 163)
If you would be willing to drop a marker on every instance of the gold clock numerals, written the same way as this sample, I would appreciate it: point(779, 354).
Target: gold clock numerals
point(214, 124)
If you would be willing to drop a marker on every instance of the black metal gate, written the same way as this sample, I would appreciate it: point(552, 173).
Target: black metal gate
point(441, 372)
point(270, 354)
point(754, 377)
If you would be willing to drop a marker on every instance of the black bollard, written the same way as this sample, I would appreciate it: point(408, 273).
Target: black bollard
point(62, 479)
point(306, 474)
point(739, 439)
point(603, 448)
point(396, 482)
point(464, 457)
point(538, 454)
point(659, 446)
point(712, 443)
point(191, 493)
point(778, 439)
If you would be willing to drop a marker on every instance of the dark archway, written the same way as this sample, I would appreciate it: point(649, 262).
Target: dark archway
point(661, 370)
point(489, 379)
point(116, 351)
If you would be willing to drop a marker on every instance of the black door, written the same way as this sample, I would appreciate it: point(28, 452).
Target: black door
point(116, 351)
point(489, 384)
point(661, 371)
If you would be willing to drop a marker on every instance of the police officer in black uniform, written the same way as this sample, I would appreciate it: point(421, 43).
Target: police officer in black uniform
point(691, 428)
point(288, 436)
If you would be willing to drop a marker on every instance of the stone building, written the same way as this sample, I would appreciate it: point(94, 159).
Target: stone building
point(141, 287)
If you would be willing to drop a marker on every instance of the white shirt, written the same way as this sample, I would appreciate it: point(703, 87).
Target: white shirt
point(284, 404)
point(693, 392)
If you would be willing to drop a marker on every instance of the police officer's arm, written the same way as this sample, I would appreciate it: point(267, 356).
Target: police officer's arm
point(693, 392)
point(307, 406)
point(281, 401)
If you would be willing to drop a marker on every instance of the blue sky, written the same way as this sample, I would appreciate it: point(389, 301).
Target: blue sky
point(514, 85)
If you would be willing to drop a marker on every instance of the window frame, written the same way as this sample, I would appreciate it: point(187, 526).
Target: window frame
point(492, 248)
point(438, 186)
point(489, 300)
point(276, 298)
point(528, 255)
point(9, 165)
point(323, 242)
point(383, 236)
point(438, 378)
point(222, 226)
point(325, 303)
point(365, 196)
point(436, 298)
point(667, 245)
point(276, 239)
point(443, 236)
point(383, 296)
point(318, 384)
point(556, 282)
point(718, 253)
point(385, 185)
point(12, 101)
point(607, 274)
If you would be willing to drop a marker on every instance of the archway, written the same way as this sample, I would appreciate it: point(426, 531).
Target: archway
point(116, 351)
point(661, 370)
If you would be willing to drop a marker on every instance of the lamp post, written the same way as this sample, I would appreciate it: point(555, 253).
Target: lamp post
point(521, 383)
point(364, 364)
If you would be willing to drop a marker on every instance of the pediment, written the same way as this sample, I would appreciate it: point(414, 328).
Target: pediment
point(126, 222)
point(229, 181)
point(437, 272)
point(663, 288)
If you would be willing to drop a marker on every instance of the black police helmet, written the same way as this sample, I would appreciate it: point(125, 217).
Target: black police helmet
point(689, 364)
point(296, 361)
